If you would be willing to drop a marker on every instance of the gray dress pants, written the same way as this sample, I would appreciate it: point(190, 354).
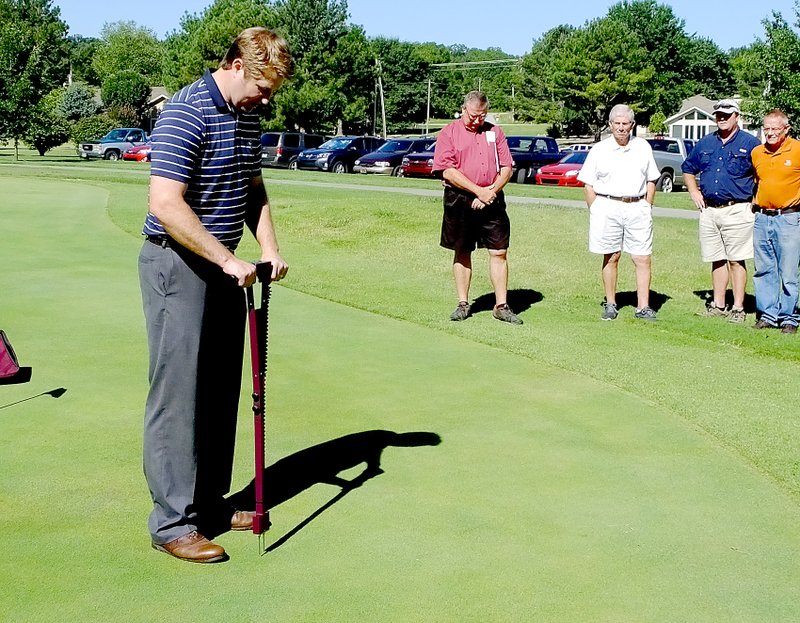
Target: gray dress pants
point(195, 318)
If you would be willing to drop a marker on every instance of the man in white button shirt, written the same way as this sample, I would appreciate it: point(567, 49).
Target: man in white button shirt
point(620, 182)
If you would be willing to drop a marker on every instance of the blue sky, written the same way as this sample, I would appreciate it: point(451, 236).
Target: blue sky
point(508, 25)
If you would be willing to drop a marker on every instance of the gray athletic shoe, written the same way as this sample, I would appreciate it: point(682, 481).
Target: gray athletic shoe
point(461, 312)
point(737, 316)
point(712, 311)
point(503, 312)
point(609, 311)
point(645, 313)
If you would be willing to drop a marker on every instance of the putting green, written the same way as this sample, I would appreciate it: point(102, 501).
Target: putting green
point(552, 497)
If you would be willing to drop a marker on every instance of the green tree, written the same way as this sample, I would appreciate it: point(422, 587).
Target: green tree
point(203, 39)
point(597, 67)
point(683, 65)
point(127, 46)
point(33, 60)
point(92, 128)
point(403, 74)
point(658, 123)
point(334, 68)
point(779, 63)
point(46, 127)
point(126, 88)
point(81, 54)
point(78, 101)
point(540, 99)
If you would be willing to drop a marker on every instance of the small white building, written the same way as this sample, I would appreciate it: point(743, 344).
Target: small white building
point(694, 120)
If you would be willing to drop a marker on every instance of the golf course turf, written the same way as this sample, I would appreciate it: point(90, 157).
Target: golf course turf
point(587, 471)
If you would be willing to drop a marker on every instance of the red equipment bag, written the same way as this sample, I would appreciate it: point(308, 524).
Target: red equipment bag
point(9, 366)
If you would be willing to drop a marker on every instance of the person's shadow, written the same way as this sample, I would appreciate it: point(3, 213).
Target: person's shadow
point(324, 463)
point(707, 296)
point(630, 299)
point(519, 300)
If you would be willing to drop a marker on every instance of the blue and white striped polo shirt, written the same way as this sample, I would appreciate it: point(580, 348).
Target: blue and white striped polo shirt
point(199, 141)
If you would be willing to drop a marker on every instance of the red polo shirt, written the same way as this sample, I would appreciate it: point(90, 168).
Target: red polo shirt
point(471, 152)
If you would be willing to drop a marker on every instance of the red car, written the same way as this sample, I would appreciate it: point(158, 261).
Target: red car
point(418, 163)
point(564, 172)
point(140, 153)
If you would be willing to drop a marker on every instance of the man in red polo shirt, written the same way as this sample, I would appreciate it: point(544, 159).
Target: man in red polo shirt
point(776, 234)
point(473, 158)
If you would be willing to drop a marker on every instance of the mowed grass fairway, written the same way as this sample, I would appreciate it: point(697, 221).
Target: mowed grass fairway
point(588, 471)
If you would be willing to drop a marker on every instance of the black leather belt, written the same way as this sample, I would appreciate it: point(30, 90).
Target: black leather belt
point(777, 212)
point(161, 241)
point(165, 242)
point(622, 199)
point(724, 204)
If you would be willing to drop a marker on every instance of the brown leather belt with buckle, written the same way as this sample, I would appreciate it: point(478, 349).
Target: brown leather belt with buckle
point(777, 212)
point(622, 199)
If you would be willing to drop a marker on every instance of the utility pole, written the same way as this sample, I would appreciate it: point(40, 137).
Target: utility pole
point(428, 109)
point(383, 104)
point(513, 104)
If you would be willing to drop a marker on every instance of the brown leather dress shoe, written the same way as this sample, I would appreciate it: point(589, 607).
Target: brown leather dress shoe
point(193, 547)
point(242, 520)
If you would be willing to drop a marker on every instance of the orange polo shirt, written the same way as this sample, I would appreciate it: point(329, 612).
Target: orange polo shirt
point(777, 175)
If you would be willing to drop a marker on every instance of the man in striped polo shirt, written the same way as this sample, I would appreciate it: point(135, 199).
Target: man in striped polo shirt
point(205, 186)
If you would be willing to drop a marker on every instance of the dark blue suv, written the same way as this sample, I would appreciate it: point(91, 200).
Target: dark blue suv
point(338, 154)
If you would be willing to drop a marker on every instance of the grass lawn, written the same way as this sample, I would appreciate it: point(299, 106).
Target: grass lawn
point(588, 471)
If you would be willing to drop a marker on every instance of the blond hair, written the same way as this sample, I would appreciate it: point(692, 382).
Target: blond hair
point(262, 51)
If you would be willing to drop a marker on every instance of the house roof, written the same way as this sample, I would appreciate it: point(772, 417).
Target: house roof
point(698, 103)
point(695, 103)
point(157, 95)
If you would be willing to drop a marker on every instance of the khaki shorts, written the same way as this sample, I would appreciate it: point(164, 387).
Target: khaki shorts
point(617, 226)
point(727, 233)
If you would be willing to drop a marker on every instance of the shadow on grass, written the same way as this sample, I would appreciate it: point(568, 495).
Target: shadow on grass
point(54, 393)
point(708, 295)
point(629, 299)
point(519, 300)
point(323, 464)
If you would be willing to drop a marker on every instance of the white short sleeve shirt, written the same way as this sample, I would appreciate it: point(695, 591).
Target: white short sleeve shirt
point(620, 171)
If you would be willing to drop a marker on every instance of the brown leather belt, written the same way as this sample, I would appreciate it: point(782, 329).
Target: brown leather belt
point(777, 212)
point(622, 199)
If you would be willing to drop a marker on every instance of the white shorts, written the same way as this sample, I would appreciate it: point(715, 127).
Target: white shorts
point(727, 233)
point(618, 226)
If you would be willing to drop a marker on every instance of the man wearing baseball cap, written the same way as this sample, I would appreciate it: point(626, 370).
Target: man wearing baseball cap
point(718, 174)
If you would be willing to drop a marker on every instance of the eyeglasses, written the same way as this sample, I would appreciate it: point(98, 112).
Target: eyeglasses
point(722, 115)
point(774, 130)
point(474, 117)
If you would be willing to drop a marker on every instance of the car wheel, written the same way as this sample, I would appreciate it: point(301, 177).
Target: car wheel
point(665, 183)
point(112, 155)
point(339, 167)
point(293, 165)
point(521, 175)
point(400, 172)
point(397, 172)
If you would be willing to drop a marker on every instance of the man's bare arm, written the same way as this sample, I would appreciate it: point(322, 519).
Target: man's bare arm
point(182, 225)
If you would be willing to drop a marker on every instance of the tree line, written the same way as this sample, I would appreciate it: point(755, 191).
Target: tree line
point(55, 87)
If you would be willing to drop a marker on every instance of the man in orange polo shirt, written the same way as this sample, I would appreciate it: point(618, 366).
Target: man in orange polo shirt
point(776, 233)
